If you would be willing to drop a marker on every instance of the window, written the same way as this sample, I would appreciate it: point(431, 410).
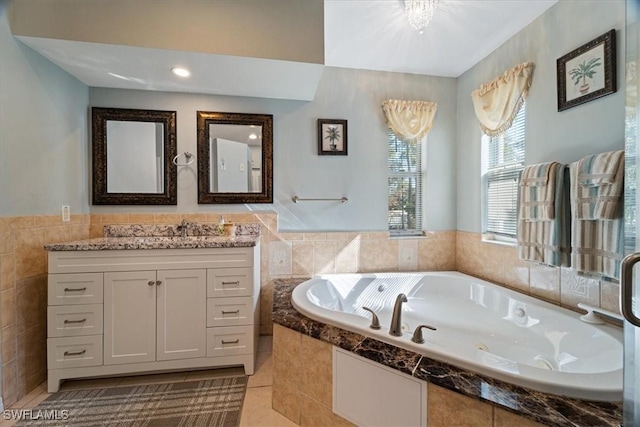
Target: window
point(503, 161)
point(405, 186)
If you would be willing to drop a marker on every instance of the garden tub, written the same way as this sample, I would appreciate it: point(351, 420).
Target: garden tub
point(479, 326)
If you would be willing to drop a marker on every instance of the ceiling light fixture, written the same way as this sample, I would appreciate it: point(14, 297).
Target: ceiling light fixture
point(253, 136)
point(182, 72)
point(420, 12)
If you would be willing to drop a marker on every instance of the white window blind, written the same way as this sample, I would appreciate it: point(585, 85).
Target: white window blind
point(504, 161)
point(405, 186)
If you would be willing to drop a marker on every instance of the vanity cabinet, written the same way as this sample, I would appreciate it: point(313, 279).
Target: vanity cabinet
point(154, 315)
point(117, 312)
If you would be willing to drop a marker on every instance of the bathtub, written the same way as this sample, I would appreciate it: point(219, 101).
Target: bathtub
point(481, 327)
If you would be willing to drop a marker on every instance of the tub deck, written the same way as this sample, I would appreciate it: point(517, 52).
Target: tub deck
point(538, 406)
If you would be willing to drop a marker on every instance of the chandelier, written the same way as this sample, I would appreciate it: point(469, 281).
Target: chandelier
point(420, 12)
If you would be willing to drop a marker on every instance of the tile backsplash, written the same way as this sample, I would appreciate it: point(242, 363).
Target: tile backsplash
point(23, 271)
point(499, 263)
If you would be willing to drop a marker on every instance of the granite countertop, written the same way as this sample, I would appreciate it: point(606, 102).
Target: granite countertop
point(128, 237)
point(154, 242)
point(542, 407)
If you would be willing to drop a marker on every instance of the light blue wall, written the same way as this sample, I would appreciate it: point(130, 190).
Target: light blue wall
point(565, 136)
point(43, 132)
point(44, 149)
point(355, 95)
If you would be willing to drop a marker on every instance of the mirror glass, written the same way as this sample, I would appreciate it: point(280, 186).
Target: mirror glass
point(134, 157)
point(133, 153)
point(235, 157)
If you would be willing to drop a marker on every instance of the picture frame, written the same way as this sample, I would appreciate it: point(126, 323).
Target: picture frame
point(588, 72)
point(332, 137)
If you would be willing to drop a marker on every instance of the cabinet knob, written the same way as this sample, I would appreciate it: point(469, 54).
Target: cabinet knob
point(151, 283)
point(159, 282)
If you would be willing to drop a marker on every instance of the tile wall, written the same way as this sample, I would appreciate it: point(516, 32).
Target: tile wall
point(23, 268)
point(306, 254)
point(23, 296)
point(499, 263)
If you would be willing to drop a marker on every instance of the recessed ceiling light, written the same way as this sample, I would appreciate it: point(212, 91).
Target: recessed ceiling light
point(182, 72)
point(253, 136)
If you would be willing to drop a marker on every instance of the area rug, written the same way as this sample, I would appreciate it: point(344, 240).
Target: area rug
point(213, 402)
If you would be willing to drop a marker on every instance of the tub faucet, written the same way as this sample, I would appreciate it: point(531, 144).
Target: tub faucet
point(396, 320)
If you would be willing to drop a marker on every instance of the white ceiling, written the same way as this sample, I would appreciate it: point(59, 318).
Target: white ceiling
point(128, 67)
point(375, 34)
point(362, 34)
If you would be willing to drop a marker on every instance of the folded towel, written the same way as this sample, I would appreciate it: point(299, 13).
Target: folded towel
point(537, 191)
point(597, 244)
point(599, 169)
point(599, 184)
point(547, 241)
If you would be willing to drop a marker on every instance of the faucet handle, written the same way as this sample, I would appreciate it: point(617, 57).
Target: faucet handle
point(417, 334)
point(375, 323)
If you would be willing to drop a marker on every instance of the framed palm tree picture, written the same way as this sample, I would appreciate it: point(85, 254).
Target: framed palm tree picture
point(588, 72)
point(332, 137)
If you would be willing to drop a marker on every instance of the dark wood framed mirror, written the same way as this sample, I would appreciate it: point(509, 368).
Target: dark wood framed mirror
point(235, 158)
point(132, 156)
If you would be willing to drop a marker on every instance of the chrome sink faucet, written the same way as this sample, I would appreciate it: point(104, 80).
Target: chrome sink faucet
point(183, 227)
point(396, 320)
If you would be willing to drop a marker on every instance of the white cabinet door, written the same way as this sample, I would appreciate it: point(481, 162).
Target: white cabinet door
point(182, 314)
point(129, 317)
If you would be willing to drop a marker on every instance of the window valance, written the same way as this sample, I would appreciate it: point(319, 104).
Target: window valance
point(497, 102)
point(410, 120)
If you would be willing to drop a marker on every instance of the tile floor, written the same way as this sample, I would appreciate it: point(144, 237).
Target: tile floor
point(256, 410)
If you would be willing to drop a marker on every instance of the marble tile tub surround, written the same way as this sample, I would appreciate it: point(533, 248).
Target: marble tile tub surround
point(492, 397)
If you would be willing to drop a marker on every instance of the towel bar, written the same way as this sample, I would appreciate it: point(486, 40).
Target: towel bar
point(297, 199)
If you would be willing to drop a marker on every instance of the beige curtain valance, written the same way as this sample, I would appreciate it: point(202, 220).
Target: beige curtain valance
point(497, 102)
point(410, 120)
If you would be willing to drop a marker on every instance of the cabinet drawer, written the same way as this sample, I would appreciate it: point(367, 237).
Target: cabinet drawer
point(74, 320)
point(76, 288)
point(229, 341)
point(229, 311)
point(74, 352)
point(229, 282)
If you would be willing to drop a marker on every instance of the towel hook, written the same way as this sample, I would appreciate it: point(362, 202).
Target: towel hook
point(188, 157)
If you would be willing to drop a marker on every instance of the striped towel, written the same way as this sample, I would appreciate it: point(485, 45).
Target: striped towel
point(600, 185)
point(597, 244)
point(537, 191)
point(547, 241)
